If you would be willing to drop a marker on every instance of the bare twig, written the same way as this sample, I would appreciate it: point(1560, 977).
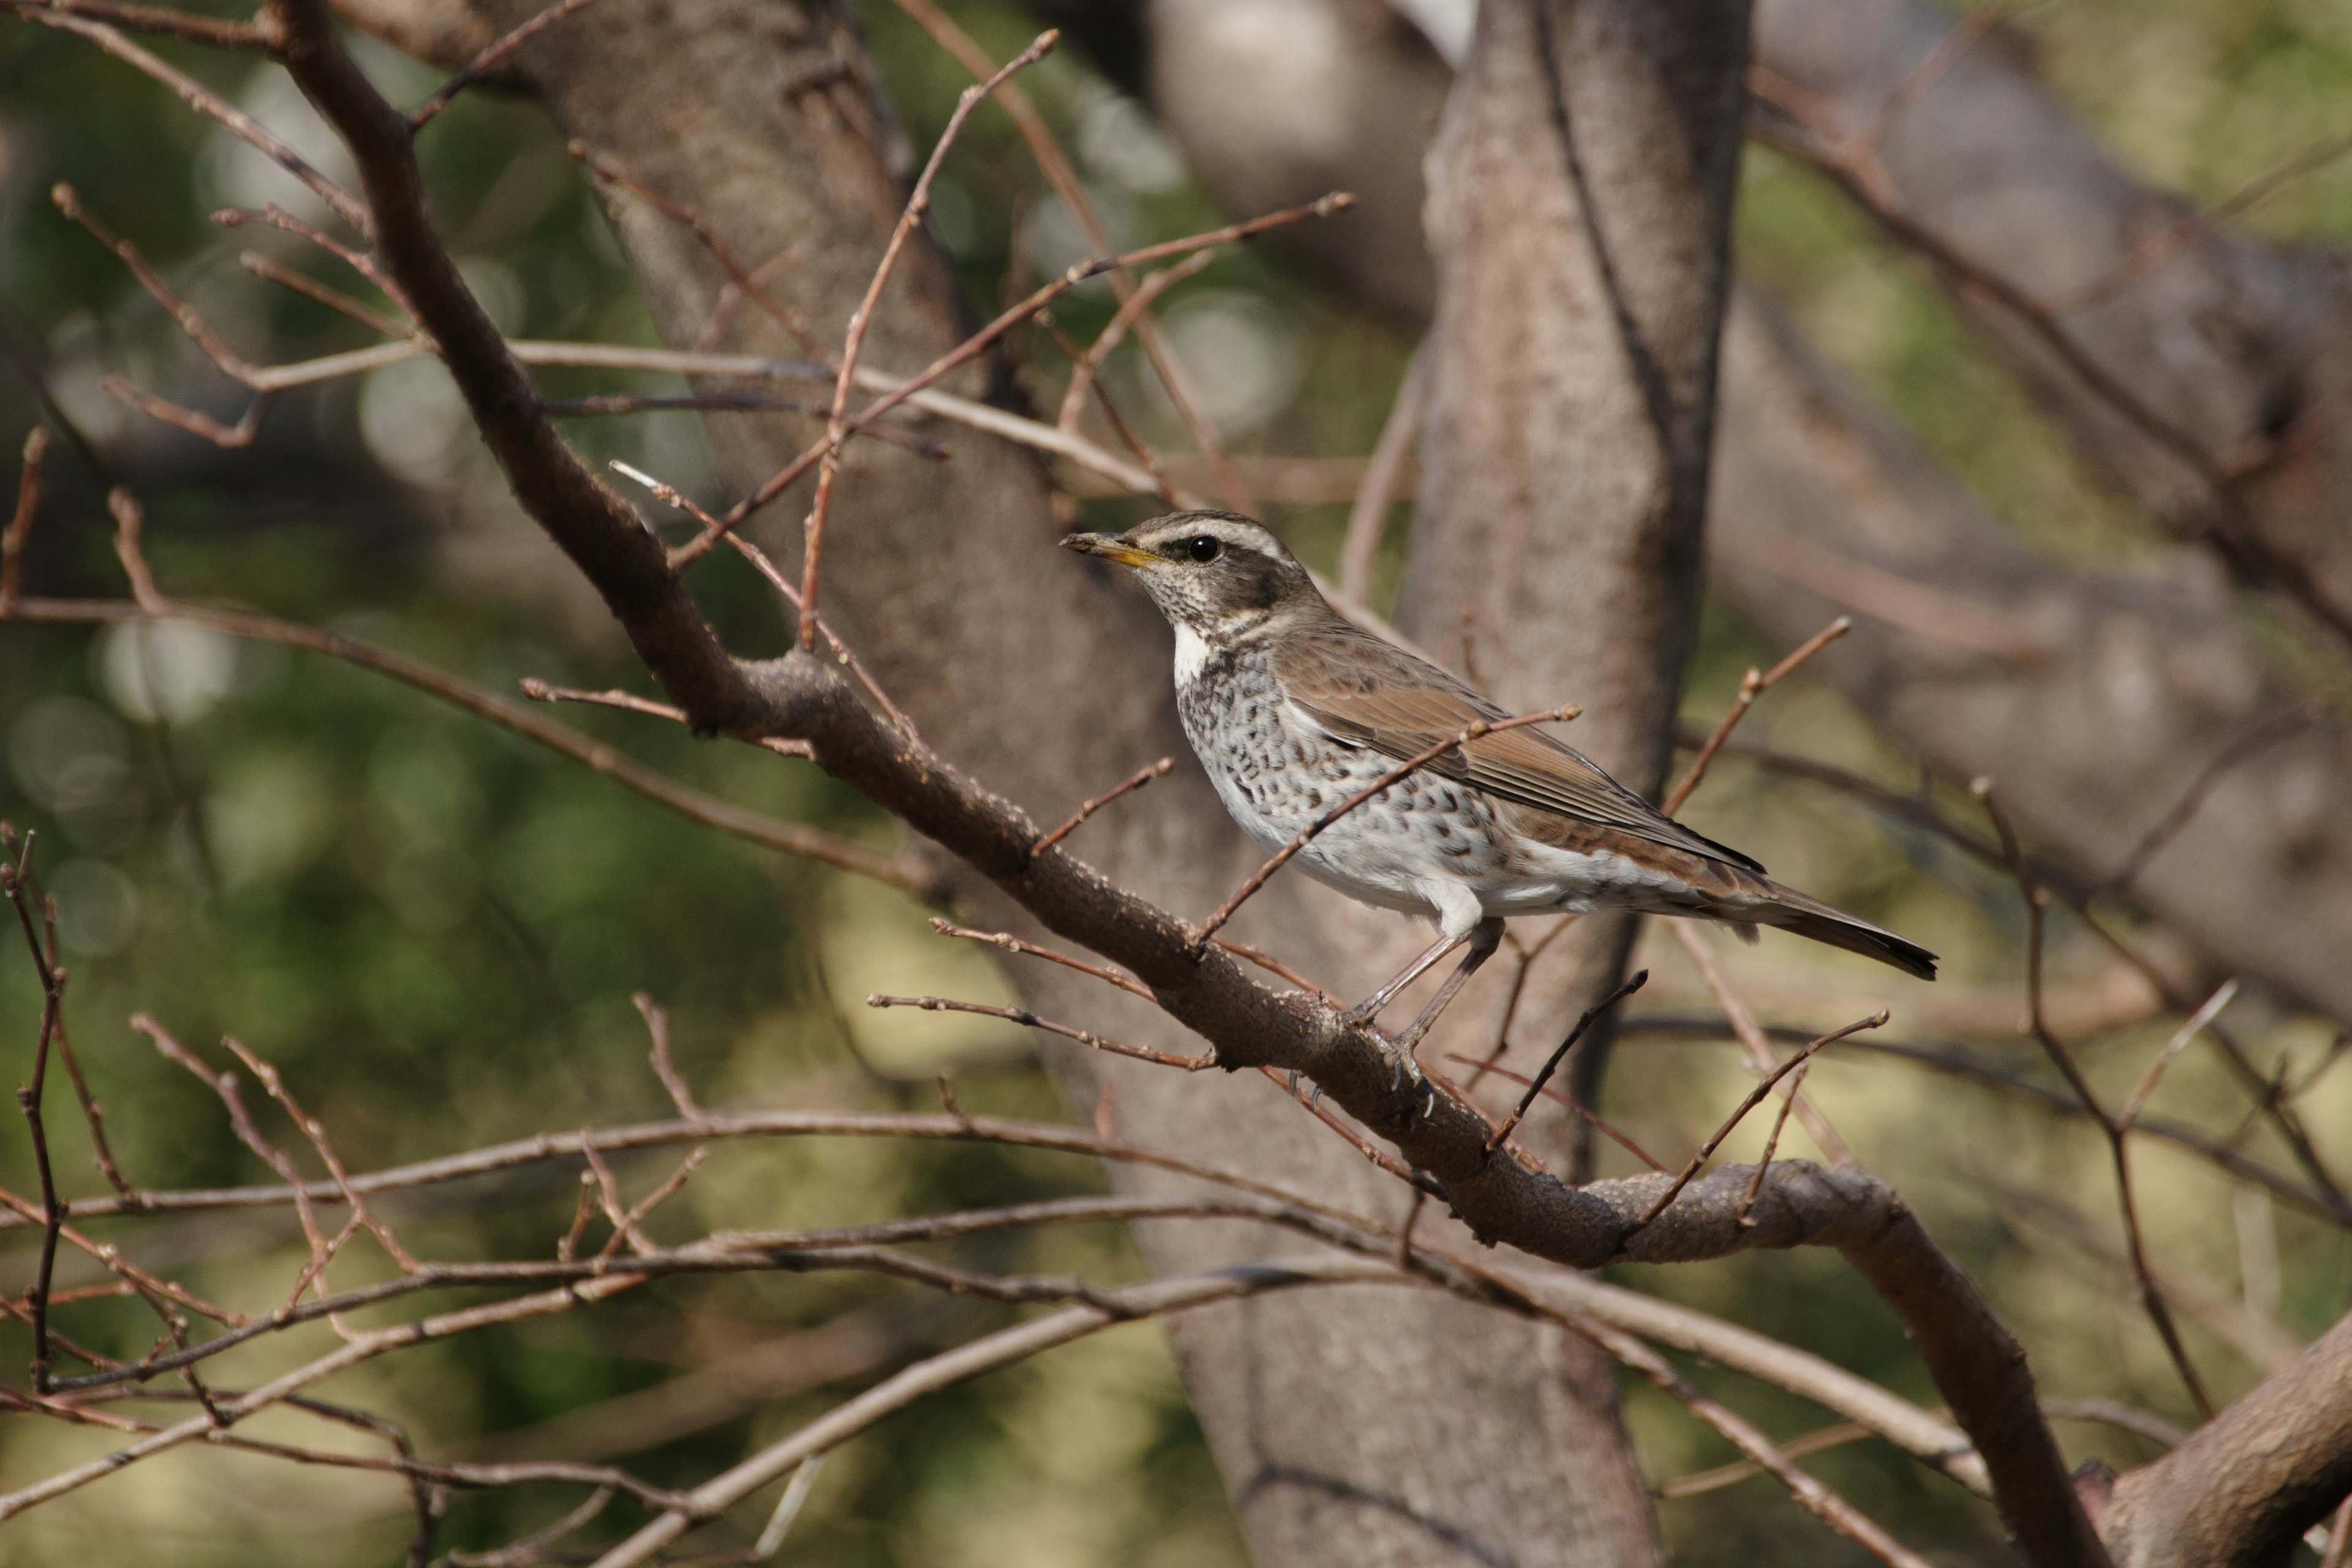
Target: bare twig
point(204, 102)
point(973, 347)
point(1027, 1019)
point(2117, 1130)
point(1421, 758)
point(310, 289)
point(657, 1027)
point(316, 1132)
point(1753, 1042)
point(1088, 808)
point(1752, 685)
point(15, 882)
point(1755, 1097)
point(492, 56)
point(20, 523)
point(1066, 184)
point(790, 837)
point(854, 343)
point(1816, 1499)
point(1010, 944)
point(158, 20)
point(1639, 978)
point(1368, 517)
point(2257, 739)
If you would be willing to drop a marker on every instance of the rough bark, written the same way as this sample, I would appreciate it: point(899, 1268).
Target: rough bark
point(2138, 677)
point(1421, 1431)
point(2230, 342)
point(2246, 1485)
point(1579, 208)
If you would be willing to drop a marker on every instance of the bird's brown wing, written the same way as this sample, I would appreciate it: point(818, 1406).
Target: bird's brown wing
point(1367, 692)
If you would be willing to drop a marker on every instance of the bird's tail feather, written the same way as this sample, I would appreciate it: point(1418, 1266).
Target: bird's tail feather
point(1791, 911)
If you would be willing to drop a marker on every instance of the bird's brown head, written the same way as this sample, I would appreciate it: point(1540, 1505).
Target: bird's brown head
point(1216, 574)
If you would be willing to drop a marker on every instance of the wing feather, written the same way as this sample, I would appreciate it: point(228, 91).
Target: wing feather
point(1367, 692)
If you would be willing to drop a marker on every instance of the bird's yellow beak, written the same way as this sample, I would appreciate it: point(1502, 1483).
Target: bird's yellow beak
point(1111, 547)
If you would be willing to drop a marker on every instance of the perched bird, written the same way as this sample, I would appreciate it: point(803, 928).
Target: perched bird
point(1293, 709)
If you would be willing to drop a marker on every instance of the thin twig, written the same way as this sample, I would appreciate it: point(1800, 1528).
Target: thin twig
point(975, 345)
point(1754, 684)
point(1025, 1017)
point(1010, 944)
point(2037, 905)
point(20, 523)
point(1585, 1112)
point(1137, 780)
point(1055, 166)
point(1368, 517)
point(491, 57)
point(657, 1026)
point(1755, 1097)
point(854, 343)
point(1753, 1042)
point(1633, 983)
point(203, 101)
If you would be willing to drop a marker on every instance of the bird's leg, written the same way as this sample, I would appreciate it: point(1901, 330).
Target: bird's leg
point(1371, 1006)
point(1483, 944)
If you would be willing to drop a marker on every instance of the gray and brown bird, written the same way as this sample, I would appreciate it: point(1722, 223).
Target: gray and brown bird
point(1293, 709)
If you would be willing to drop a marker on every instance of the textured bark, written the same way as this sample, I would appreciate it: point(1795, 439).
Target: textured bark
point(2230, 342)
point(1417, 1429)
point(2246, 1485)
point(2143, 674)
point(1580, 209)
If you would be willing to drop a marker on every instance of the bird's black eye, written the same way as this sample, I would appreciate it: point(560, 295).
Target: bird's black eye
point(1201, 547)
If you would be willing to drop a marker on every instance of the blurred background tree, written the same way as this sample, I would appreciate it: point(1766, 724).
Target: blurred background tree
point(434, 929)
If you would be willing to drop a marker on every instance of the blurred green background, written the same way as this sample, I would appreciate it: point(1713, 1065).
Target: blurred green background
point(434, 929)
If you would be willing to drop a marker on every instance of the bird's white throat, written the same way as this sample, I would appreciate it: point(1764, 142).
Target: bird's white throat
point(1192, 653)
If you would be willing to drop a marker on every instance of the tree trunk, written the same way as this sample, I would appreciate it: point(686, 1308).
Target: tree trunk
point(1580, 209)
point(1403, 1427)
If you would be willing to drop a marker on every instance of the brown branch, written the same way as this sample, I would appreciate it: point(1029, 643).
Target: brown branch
point(1752, 685)
point(1814, 1498)
point(316, 1132)
point(1021, 1015)
point(836, 430)
point(1579, 1108)
point(2193, 231)
point(492, 56)
point(1639, 978)
point(751, 284)
point(2255, 739)
point(657, 1027)
point(692, 804)
point(1086, 365)
point(2117, 1129)
point(1754, 1044)
point(20, 523)
point(973, 347)
point(1012, 944)
point(1002, 1348)
point(310, 289)
point(157, 19)
point(1368, 516)
point(360, 261)
point(1088, 808)
point(204, 102)
point(1421, 758)
point(1755, 1097)
point(16, 884)
point(1055, 166)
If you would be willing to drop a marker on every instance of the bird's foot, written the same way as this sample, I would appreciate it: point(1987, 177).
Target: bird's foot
point(1403, 1068)
point(1363, 1012)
